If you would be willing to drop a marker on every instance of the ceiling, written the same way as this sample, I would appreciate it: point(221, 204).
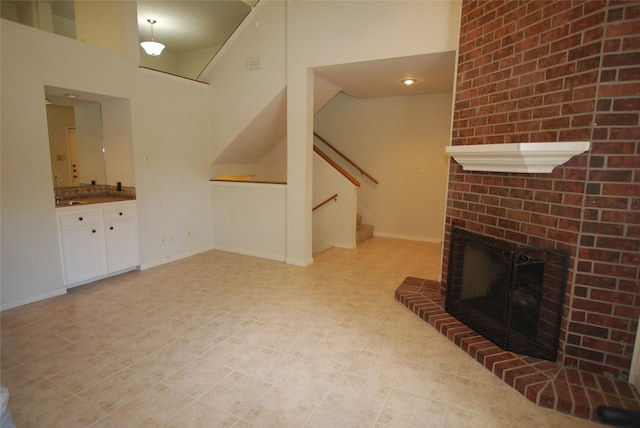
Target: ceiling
point(434, 74)
point(188, 25)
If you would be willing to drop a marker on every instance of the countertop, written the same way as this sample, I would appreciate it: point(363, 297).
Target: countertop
point(78, 202)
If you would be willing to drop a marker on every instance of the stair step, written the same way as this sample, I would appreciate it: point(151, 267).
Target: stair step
point(363, 232)
point(358, 220)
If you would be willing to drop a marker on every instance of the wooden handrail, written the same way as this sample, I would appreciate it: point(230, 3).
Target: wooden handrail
point(326, 201)
point(229, 180)
point(362, 171)
point(333, 163)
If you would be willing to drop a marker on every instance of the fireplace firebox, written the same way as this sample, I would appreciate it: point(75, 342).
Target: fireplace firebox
point(511, 294)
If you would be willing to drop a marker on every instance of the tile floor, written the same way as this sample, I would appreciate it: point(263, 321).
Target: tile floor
point(546, 383)
point(225, 340)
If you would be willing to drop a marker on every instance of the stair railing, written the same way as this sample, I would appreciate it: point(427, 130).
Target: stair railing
point(362, 171)
point(338, 168)
point(233, 180)
point(334, 197)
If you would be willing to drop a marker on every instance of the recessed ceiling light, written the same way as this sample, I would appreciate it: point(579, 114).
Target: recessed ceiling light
point(409, 82)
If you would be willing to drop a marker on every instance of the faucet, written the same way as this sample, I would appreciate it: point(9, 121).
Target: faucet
point(57, 179)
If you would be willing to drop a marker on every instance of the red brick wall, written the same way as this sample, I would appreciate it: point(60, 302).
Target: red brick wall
point(541, 71)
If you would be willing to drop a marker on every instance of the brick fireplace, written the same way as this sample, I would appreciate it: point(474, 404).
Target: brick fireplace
point(511, 295)
point(538, 71)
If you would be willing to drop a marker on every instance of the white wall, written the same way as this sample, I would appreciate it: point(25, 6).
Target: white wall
point(273, 166)
point(238, 229)
point(634, 371)
point(102, 23)
point(31, 264)
point(168, 61)
point(336, 32)
point(334, 224)
point(191, 64)
point(170, 131)
point(170, 156)
point(179, 126)
point(187, 64)
point(293, 37)
point(400, 141)
point(243, 93)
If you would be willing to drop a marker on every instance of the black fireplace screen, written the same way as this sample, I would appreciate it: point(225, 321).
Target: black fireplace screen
point(511, 294)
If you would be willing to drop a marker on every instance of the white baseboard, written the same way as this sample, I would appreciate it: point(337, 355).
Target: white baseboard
point(269, 256)
point(32, 299)
point(408, 237)
point(299, 262)
point(322, 248)
point(345, 245)
point(328, 245)
point(154, 263)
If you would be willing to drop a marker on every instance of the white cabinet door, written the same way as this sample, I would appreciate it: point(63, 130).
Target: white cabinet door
point(83, 253)
point(121, 239)
point(97, 240)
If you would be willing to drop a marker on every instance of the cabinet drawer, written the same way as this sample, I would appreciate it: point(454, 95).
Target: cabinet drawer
point(122, 212)
point(79, 218)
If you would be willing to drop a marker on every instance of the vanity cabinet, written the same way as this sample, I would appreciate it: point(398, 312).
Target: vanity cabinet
point(97, 240)
point(121, 237)
point(82, 244)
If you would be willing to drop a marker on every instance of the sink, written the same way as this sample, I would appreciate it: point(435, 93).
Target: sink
point(70, 203)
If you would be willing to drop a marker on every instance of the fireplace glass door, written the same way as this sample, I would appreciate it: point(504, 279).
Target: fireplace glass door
point(510, 294)
point(484, 289)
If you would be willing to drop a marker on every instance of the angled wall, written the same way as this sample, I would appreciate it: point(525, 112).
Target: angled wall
point(239, 95)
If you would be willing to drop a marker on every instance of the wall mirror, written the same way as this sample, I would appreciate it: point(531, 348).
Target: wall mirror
point(90, 140)
point(75, 141)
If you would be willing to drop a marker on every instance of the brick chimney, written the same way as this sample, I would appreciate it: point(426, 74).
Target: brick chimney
point(531, 71)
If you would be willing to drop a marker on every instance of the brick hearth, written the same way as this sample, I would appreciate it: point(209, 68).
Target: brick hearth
point(546, 383)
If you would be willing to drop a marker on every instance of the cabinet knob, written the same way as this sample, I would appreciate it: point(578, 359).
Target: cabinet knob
point(120, 213)
point(79, 218)
point(93, 231)
point(110, 227)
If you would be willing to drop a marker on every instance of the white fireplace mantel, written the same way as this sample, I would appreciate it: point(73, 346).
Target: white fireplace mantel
point(516, 157)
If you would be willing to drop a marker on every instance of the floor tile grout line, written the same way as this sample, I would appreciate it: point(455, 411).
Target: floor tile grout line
point(316, 295)
point(405, 295)
point(322, 400)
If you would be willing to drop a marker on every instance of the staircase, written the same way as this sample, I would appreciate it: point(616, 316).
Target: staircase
point(363, 231)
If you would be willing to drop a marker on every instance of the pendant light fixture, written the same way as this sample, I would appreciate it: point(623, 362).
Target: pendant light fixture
point(152, 48)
